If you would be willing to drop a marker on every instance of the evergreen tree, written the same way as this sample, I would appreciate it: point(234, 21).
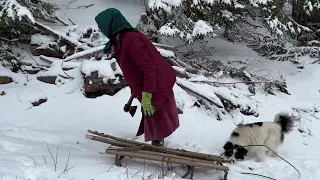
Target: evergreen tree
point(194, 19)
point(16, 25)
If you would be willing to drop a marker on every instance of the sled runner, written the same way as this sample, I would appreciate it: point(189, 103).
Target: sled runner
point(122, 148)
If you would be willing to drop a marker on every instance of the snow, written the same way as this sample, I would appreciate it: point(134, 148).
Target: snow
point(103, 68)
point(168, 30)
point(165, 4)
point(29, 96)
point(14, 10)
point(70, 39)
point(39, 39)
point(82, 53)
point(61, 123)
point(165, 53)
point(201, 28)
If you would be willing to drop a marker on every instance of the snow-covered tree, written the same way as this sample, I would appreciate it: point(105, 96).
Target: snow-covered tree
point(17, 16)
point(16, 25)
point(194, 19)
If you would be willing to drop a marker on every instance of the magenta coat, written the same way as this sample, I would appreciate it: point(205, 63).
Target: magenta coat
point(145, 69)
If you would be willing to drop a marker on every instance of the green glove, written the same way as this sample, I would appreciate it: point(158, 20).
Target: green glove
point(146, 104)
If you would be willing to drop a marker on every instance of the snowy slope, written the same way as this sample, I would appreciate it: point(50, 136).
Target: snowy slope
point(26, 132)
point(83, 12)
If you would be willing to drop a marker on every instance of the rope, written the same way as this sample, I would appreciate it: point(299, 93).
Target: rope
point(272, 152)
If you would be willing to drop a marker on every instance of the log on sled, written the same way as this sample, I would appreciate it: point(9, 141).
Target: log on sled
point(132, 149)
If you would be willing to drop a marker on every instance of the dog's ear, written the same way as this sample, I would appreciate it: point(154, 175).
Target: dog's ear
point(228, 146)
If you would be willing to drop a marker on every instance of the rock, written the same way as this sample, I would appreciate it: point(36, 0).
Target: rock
point(40, 101)
point(32, 97)
point(5, 80)
point(2, 93)
point(47, 79)
point(95, 86)
point(300, 67)
point(33, 71)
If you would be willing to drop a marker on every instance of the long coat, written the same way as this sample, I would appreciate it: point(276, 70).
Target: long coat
point(145, 69)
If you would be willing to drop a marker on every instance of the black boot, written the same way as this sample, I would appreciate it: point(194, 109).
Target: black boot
point(158, 142)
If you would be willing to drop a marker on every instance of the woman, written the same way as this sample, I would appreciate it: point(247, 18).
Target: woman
point(149, 76)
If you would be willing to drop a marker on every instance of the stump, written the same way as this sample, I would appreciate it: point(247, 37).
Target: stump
point(47, 79)
point(95, 86)
point(5, 80)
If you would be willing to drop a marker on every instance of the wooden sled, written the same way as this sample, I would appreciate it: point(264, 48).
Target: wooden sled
point(127, 148)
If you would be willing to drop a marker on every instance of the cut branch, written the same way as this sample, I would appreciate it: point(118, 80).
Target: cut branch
point(130, 143)
point(160, 158)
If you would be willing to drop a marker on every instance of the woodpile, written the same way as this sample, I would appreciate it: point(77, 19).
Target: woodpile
point(122, 148)
point(81, 44)
point(95, 86)
point(57, 45)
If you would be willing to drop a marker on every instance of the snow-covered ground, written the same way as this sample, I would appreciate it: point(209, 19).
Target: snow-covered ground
point(28, 134)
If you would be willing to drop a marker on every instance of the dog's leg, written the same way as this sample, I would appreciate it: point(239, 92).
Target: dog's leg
point(273, 143)
point(260, 152)
point(272, 154)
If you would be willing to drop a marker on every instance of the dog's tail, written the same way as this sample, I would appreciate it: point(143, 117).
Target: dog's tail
point(285, 121)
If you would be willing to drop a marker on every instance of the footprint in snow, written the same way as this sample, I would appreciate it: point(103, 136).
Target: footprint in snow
point(11, 147)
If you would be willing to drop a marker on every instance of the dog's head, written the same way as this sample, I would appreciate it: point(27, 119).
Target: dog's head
point(240, 152)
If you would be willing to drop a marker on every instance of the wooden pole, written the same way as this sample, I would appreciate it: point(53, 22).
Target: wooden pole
point(197, 155)
point(164, 155)
point(173, 160)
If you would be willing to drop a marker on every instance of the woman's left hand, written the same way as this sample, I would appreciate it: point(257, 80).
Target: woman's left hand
point(146, 104)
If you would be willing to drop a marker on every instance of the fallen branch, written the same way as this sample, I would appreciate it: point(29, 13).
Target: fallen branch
point(46, 59)
point(67, 40)
point(229, 105)
point(227, 83)
point(33, 161)
point(61, 21)
point(85, 54)
point(71, 21)
point(197, 94)
point(164, 46)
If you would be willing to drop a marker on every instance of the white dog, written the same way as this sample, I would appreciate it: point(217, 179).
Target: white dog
point(270, 134)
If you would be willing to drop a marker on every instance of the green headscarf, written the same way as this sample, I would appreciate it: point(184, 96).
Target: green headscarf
point(111, 22)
